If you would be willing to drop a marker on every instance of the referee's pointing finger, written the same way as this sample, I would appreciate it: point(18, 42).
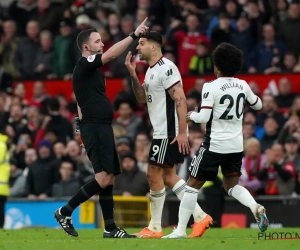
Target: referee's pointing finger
point(145, 20)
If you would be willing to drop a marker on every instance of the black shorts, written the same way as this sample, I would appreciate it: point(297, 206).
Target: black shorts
point(164, 154)
point(205, 164)
point(99, 142)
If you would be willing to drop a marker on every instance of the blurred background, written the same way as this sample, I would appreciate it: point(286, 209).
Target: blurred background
point(44, 163)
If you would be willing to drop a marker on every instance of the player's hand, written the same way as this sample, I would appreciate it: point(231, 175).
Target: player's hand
point(131, 65)
point(142, 28)
point(188, 115)
point(183, 143)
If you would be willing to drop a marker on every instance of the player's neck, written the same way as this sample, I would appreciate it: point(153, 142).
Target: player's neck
point(86, 54)
point(154, 58)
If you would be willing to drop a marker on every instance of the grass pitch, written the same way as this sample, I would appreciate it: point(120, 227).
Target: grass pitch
point(226, 239)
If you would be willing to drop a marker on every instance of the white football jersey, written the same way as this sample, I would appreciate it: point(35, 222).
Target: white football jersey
point(161, 107)
point(226, 97)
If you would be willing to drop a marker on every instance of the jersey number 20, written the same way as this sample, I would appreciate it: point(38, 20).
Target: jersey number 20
point(225, 115)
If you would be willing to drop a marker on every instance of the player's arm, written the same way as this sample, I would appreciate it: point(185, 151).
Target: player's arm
point(119, 47)
point(177, 94)
point(254, 101)
point(78, 125)
point(138, 89)
point(206, 107)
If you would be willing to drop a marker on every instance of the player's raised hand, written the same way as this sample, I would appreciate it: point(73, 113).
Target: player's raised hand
point(130, 64)
point(183, 143)
point(142, 28)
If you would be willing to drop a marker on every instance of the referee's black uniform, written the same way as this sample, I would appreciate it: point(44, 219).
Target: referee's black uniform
point(97, 114)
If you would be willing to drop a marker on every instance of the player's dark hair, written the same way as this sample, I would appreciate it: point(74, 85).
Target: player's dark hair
point(228, 59)
point(83, 37)
point(153, 36)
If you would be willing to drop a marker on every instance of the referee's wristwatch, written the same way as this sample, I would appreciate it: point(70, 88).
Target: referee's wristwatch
point(133, 35)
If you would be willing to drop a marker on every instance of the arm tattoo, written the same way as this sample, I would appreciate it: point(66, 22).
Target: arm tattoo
point(138, 89)
point(178, 100)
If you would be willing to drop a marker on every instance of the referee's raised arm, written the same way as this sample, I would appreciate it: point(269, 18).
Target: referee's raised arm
point(91, 46)
point(119, 47)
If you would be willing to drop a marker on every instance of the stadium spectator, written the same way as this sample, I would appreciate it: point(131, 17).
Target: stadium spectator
point(201, 62)
point(252, 163)
point(291, 147)
point(186, 41)
point(128, 119)
point(289, 29)
point(243, 38)
point(267, 53)
point(18, 189)
point(286, 97)
point(43, 63)
point(43, 173)
point(21, 11)
point(68, 185)
point(132, 182)
point(269, 109)
point(123, 144)
point(278, 172)
point(59, 125)
point(62, 55)
point(27, 50)
point(271, 134)
point(8, 46)
point(48, 16)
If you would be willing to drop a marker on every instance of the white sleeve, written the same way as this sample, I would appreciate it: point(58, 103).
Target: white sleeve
point(253, 100)
point(201, 117)
point(169, 76)
point(206, 106)
point(207, 97)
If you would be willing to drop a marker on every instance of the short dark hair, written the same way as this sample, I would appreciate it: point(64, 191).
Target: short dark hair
point(83, 37)
point(53, 104)
point(68, 159)
point(228, 59)
point(153, 36)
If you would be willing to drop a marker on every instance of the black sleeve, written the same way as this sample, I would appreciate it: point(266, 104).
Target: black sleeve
point(93, 62)
point(284, 175)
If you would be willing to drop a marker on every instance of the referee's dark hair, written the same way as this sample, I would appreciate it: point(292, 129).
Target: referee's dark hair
point(83, 37)
point(153, 36)
point(228, 59)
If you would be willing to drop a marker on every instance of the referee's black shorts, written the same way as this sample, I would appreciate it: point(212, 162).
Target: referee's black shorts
point(99, 142)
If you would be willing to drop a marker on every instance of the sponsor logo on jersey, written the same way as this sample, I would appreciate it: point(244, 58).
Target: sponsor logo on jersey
point(205, 95)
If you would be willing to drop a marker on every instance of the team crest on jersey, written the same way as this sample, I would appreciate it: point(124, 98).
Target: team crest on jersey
point(91, 58)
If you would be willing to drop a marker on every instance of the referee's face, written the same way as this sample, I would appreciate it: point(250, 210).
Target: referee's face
point(95, 43)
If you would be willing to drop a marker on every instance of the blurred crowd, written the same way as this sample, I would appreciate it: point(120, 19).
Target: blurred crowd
point(37, 37)
point(38, 42)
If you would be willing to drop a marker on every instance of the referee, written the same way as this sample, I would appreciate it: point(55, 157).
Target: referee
point(96, 114)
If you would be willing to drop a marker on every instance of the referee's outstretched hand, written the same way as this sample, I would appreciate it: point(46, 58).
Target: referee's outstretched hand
point(183, 143)
point(142, 28)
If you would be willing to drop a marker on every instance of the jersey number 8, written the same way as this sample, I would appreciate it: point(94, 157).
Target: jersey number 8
point(225, 115)
point(149, 98)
